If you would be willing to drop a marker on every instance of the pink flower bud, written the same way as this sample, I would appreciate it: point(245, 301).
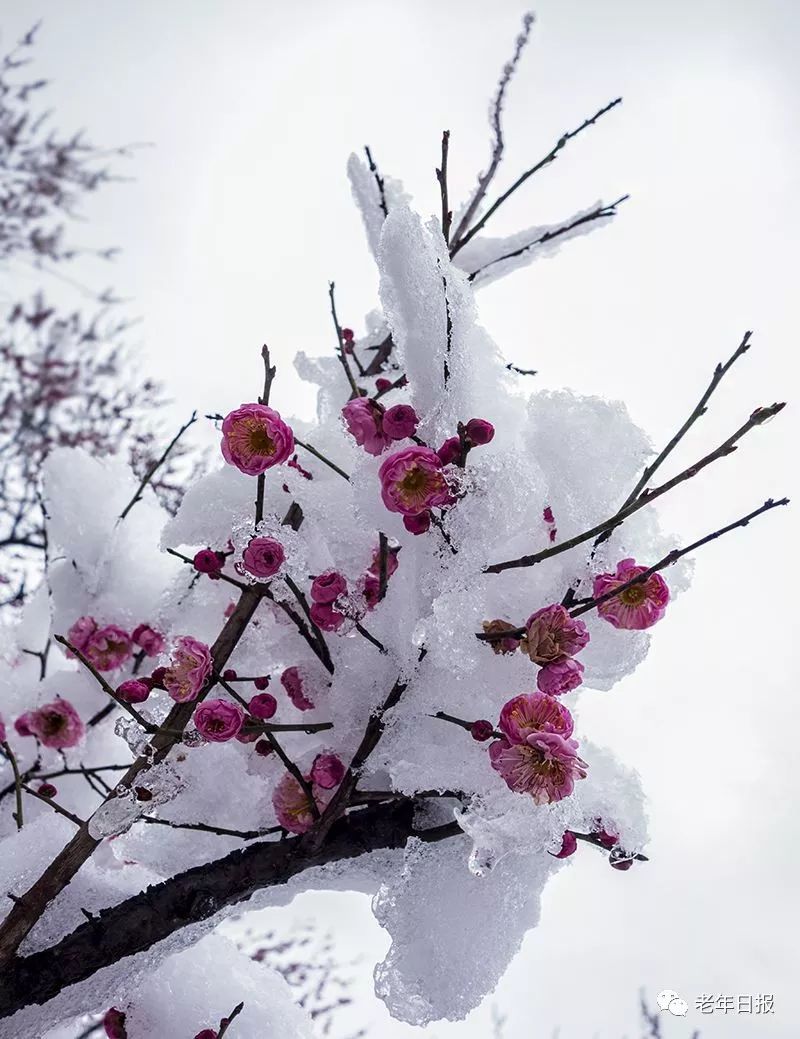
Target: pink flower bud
point(247, 734)
point(327, 771)
point(621, 863)
point(22, 725)
point(229, 674)
point(348, 334)
point(560, 677)
point(261, 682)
point(569, 845)
point(157, 677)
point(207, 1033)
point(328, 586)
point(263, 706)
point(206, 561)
point(450, 450)
point(481, 730)
point(47, 790)
point(382, 385)
point(133, 691)
point(480, 431)
point(264, 748)
point(400, 422)
point(263, 557)
point(148, 640)
point(114, 1024)
point(419, 524)
point(325, 617)
point(606, 838)
point(292, 682)
point(218, 720)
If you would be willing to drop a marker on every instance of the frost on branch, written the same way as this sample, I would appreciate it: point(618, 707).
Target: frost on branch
point(351, 661)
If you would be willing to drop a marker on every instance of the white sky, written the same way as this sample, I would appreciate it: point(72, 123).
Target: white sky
point(239, 214)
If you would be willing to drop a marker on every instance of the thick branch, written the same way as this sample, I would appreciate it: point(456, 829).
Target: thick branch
point(141, 922)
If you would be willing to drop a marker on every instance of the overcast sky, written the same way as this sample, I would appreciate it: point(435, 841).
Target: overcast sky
point(239, 212)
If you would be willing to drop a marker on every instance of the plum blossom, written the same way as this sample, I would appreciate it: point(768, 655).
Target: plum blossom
point(80, 633)
point(325, 617)
point(255, 438)
point(450, 450)
point(207, 561)
point(545, 766)
point(22, 724)
point(412, 481)
point(560, 677)
point(188, 669)
point(263, 557)
point(149, 640)
point(569, 845)
point(480, 431)
point(637, 607)
point(293, 806)
point(218, 720)
point(56, 724)
point(400, 421)
point(292, 682)
point(114, 1024)
point(134, 690)
point(534, 712)
point(263, 706)
point(509, 644)
point(327, 587)
point(364, 420)
point(327, 771)
point(108, 648)
point(552, 634)
point(419, 524)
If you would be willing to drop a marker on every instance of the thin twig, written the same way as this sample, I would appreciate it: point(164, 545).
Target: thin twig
point(219, 575)
point(107, 689)
point(156, 466)
point(485, 179)
point(269, 375)
point(378, 180)
point(53, 804)
point(441, 176)
point(383, 565)
point(340, 352)
point(324, 654)
point(727, 447)
point(317, 454)
point(675, 555)
point(225, 1023)
point(595, 214)
point(370, 638)
point(551, 156)
point(221, 831)
point(9, 753)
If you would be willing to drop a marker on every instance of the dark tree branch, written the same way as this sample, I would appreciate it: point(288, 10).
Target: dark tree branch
point(596, 214)
point(498, 146)
point(378, 180)
point(157, 465)
point(758, 418)
point(551, 156)
point(340, 350)
point(141, 922)
point(441, 176)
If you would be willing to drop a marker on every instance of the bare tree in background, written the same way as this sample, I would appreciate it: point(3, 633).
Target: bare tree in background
point(65, 376)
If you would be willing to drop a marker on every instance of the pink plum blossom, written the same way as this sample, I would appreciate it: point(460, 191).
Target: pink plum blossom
point(509, 644)
point(207, 561)
point(364, 420)
point(480, 431)
point(412, 481)
point(327, 587)
point(263, 557)
point(392, 562)
point(292, 805)
point(545, 766)
point(56, 724)
point(148, 640)
point(218, 720)
point(638, 607)
point(400, 421)
point(292, 682)
point(207, 1033)
point(552, 634)
point(114, 1024)
point(188, 669)
point(108, 648)
point(534, 712)
point(133, 691)
point(325, 617)
point(560, 677)
point(80, 633)
point(569, 845)
point(327, 771)
point(419, 524)
point(450, 450)
point(263, 706)
point(255, 438)
point(22, 724)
